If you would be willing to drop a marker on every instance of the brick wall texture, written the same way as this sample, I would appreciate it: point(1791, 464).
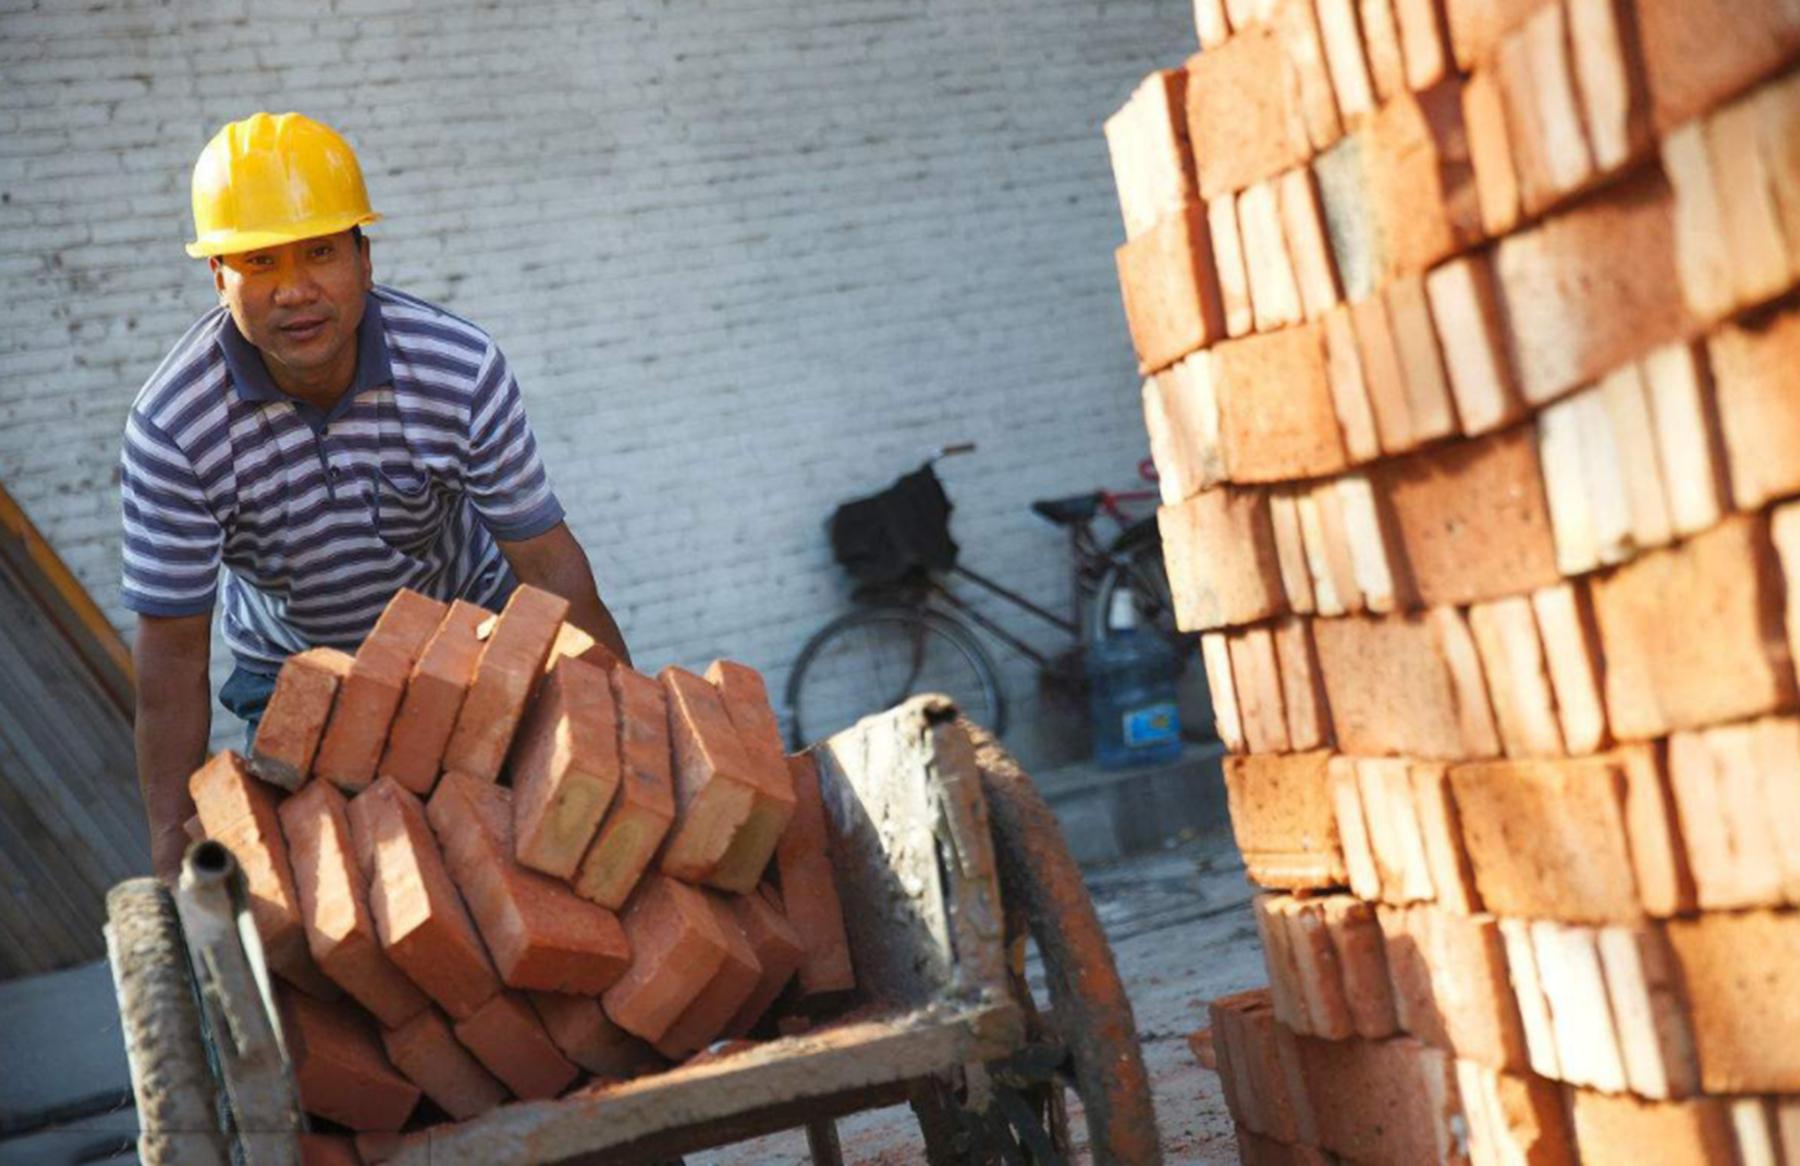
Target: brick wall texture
point(748, 258)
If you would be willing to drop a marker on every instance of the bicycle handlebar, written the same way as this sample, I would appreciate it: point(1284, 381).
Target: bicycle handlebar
point(954, 449)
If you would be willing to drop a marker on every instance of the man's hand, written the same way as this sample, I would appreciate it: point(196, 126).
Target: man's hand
point(555, 562)
point(174, 721)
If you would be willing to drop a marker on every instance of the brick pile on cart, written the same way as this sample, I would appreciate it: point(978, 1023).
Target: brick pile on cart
point(488, 861)
point(1474, 388)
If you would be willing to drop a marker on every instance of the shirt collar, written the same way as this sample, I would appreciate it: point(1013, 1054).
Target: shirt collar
point(250, 376)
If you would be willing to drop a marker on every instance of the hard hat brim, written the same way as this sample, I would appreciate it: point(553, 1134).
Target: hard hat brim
point(237, 242)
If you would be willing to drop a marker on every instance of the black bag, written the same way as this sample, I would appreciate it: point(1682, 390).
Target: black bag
point(898, 534)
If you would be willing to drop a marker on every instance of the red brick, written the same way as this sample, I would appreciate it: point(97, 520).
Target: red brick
point(1689, 449)
point(539, 932)
point(1171, 291)
point(779, 952)
point(371, 690)
point(506, 1037)
point(1389, 689)
point(574, 644)
point(1609, 73)
point(1547, 839)
point(1514, 1118)
point(1528, 992)
point(1395, 838)
point(420, 918)
point(809, 888)
point(1381, 42)
point(677, 947)
point(1419, 183)
point(1779, 116)
point(707, 1016)
point(1627, 1129)
point(1742, 974)
point(339, 929)
point(1181, 414)
point(1256, 680)
point(240, 812)
point(1699, 53)
point(427, 1052)
point(1431, 412)
point(1244, 113)
point(1274, 287)
point(339, 1067)
point(1302, 692)
point(1758, 394)
point(1268, 1065)
point(1322, 980)
point(1648, 1013)
point(1229, 265)
point(1287, 994)
point(1423, 43)
point(1477, 26)
point(715, 794)
point(1691, 635)
point(565, 768)
point(1465, 309)
point(1549, 144)
point(1381, 1101)
point(1658, 856)
point(1702, 246)
point(1573, 982)
point(1256, 1150)
point(1353, 829)
point(1342, 46)
point(747, 705)
point(1383, 377)
point(1490, 153)
point(1325, 537)
point(1592, 288)
point(1728, 784)
point(1473, 519)
point(1475, 716)
point(1221, 690)
point(291, 726)
point(1566, 629)
point(1474, 996)
point(1276, 437)
point(579, 1027)
point(1282, 817)
point(1350, 388)
point(511, 662)
point(1295, 22)
point(644, 807)
point(1506, 635)
point(1362, 959)
point(1153, 168)
point(433, 698)
point(1406, 943)
point(1440, 829)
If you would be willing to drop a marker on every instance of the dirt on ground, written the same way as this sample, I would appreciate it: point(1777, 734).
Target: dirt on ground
point(1181, 930)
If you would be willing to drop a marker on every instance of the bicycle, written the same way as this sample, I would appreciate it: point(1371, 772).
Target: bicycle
point(909, 633)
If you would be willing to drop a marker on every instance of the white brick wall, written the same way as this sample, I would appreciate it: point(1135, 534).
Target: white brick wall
point(749, 258)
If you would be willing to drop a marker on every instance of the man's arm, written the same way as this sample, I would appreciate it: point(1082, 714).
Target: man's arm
point(174, 722)
point(555, 562)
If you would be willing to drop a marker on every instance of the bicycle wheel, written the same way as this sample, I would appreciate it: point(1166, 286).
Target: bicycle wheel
point(869, 660)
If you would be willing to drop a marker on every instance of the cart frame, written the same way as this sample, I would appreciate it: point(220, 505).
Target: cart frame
point(948, 863)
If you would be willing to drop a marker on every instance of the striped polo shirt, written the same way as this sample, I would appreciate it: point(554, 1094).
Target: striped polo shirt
point(319, 517)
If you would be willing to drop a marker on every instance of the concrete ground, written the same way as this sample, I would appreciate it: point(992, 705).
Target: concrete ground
point(1181, 931)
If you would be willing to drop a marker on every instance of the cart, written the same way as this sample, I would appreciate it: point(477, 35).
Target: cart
point(948, 864)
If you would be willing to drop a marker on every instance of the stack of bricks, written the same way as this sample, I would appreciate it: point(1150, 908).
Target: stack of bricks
point(487, 860)
point(1473, 368)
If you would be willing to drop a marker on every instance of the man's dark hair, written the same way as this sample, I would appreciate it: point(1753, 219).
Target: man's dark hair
point(356, 236)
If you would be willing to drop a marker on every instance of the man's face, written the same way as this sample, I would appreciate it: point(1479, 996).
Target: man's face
point(300, 303)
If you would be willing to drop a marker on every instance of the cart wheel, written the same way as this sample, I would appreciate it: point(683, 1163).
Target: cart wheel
point(1092, 1014)
point(178, 1121)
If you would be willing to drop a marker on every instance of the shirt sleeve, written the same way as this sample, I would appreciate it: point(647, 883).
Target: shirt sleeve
point(505, 475)
point(172, 540)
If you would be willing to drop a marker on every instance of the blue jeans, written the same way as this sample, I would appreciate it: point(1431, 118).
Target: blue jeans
point(246, 694)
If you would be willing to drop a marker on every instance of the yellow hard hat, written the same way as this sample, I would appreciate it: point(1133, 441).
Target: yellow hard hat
point(271, 179)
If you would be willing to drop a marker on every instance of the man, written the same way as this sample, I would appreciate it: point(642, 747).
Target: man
point(328, 440)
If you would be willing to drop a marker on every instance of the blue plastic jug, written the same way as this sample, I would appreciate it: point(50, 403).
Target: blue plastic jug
point(1132, 676)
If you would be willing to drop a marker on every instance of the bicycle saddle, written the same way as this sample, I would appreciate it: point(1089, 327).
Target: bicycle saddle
point(1070, 511)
